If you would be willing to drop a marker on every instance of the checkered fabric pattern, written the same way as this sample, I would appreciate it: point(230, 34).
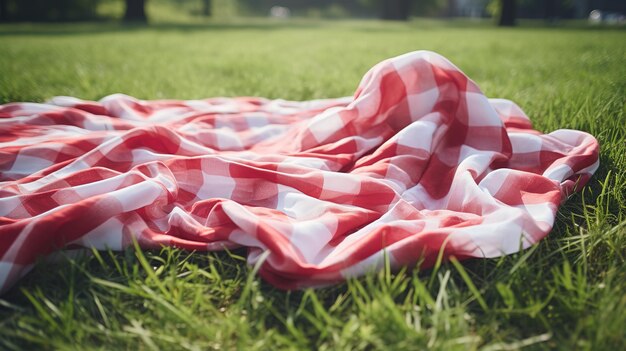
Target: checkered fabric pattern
point(418, 161)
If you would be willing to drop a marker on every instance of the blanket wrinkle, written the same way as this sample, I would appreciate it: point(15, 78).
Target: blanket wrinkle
point(417, 162)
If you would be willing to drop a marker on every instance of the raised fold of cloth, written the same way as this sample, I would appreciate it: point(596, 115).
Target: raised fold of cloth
point(418, 161)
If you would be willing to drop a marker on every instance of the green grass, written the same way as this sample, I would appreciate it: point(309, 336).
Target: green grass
point(565, 293)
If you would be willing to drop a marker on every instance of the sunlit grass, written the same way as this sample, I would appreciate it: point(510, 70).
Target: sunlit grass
point(565, 293)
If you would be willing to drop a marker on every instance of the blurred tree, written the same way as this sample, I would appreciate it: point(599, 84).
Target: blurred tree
point(551, 10)
point(135, 11)
point(396, 9)
point(431, 8)
point(319, 8)
point(580, 8)
point(46, 10)
point(451, 8)
point(4, 10)
point(206, 8)
point(508, 13)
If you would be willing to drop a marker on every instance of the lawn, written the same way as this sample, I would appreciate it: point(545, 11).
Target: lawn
point(565, 293)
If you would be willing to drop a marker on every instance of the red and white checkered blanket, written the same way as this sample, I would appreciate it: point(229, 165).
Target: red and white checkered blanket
point(418, 161)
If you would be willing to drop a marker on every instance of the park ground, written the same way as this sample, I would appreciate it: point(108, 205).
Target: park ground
point(565, 293)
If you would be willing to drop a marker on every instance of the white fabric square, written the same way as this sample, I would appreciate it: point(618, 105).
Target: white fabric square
point(310, 237)
point(558, 173)
point(480, 112)
point(418, 135)
point(422, 103)
point(326, 124)
point(525, 143)
point(25, 164)
point(228, 140)
point(342, 183)
point(216, 186)
point(107, 235)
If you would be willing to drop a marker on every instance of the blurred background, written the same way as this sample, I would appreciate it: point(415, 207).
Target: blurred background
point(502, 12)
point(562, 61)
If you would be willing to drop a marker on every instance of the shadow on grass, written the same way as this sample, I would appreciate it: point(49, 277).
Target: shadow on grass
point(81, 28)
point(262, 24)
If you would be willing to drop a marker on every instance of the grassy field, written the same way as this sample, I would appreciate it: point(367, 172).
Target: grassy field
point(565, 293)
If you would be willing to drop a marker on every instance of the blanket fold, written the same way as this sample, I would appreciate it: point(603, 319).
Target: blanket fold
point(417, 161)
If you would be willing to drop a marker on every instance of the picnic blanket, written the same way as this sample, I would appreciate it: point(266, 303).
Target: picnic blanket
point(417, 163)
